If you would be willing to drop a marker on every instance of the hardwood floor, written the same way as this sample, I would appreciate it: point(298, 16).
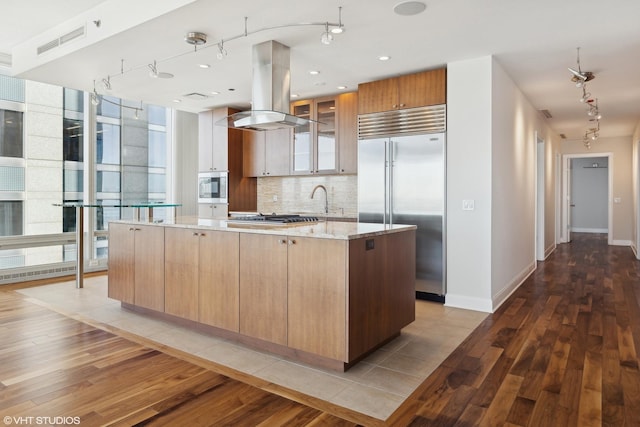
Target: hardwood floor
point(561, 351)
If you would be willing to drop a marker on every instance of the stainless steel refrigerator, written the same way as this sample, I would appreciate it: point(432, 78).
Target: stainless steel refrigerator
point(401, 180)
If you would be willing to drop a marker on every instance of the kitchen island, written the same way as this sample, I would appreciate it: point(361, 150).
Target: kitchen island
point(325, 293)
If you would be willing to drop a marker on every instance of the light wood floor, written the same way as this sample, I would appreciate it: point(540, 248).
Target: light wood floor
point(562, 351)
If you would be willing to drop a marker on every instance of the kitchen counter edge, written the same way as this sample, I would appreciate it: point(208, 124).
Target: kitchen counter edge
point(340, 230)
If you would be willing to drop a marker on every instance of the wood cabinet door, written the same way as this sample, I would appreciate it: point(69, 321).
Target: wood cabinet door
point(278, 152)
point(421, 89)
point(220, 140)
point(263, 287)
point(253, 154)
point(149, 267)
point(121, 262)
point(316, 296)
point(381, 95)
point(347, 133)
point(367, 281)
point(181, 272)
point(219, 280)
point(205, 141)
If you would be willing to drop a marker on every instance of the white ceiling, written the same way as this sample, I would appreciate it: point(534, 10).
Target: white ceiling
point(535, 42)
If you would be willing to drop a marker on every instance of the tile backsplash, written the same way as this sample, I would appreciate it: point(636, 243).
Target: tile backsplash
point(292, 194)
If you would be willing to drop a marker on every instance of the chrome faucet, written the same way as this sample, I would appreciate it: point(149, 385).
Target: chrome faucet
point(326, 197)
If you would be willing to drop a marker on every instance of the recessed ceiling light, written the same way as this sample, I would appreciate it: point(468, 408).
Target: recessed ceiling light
point(342, 87)
point(177, 101)
point(215, 93)
point(337, 30)
point(204, 65)
point(294, 95)
point(384, 58)
point(314, 72)
point(408, 8)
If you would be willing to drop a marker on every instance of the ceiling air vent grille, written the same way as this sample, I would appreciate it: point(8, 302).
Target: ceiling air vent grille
point(546, 113)
point(412, 121)
point(66, 38)
point(72, 35)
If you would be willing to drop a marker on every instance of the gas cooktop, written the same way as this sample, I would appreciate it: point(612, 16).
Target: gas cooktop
point(275, 219)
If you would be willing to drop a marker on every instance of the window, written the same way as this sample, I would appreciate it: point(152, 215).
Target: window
point(11, 218)
point(72, 140)
point(107, 144)
point(11, 133)
point(157, 149)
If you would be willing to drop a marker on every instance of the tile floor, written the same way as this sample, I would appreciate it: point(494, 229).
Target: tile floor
point(376, 386)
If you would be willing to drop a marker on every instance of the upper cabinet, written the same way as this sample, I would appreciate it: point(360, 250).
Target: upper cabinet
point(347, 125)
point(266, 153)
point(213, 141)
point(397, 93)
point(317, 148)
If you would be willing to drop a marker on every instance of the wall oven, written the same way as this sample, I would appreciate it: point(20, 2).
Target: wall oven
point(212, 187)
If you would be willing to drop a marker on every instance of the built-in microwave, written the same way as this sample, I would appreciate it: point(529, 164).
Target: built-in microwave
point(212, 187)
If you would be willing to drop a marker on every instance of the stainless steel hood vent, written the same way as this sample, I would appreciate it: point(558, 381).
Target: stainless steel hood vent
point(270, 92)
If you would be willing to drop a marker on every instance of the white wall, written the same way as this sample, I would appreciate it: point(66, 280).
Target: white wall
point(491, 159)
point(468, 249)
point(185, 128)
point(635, 188)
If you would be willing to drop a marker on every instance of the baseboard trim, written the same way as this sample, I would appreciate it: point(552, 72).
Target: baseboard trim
point(589, 230)
point(621, 243)
point(550, 250)
point(506, 292)
point(468, 303)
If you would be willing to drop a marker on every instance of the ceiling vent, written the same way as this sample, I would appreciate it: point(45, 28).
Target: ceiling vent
point(65, 38)
point(563, 136)
point(195, 96)
point(546, 113)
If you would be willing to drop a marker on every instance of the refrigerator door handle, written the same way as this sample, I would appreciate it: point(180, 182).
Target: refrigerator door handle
point(389, 189)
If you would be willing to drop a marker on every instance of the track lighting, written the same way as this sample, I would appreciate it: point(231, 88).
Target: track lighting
point(222, 52)
point(340, 28)
point(326, 37)
point(106, 83)
point(158, 74)
point(580, 78)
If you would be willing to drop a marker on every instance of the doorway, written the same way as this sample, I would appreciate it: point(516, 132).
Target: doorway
point(587, 194)
point(540, 196)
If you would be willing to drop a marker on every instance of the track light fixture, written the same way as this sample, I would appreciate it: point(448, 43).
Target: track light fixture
point(326, 37)
point(222, 52)
point(196, 39)
point(580, 78)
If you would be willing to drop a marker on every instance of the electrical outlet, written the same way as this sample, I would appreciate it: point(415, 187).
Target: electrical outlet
point(468, 205)
point(275, 197)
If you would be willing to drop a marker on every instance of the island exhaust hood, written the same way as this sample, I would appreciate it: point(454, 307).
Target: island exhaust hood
point(270, 92)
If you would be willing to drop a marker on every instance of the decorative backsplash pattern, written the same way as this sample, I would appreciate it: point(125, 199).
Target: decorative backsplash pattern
point(292, 194)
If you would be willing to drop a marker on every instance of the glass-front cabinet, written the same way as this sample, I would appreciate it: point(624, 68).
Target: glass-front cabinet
point(315, 145)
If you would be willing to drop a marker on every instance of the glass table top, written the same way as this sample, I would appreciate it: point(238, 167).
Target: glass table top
point(146, 204)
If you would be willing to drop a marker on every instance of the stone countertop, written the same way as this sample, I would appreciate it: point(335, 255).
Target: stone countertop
point(322, 229)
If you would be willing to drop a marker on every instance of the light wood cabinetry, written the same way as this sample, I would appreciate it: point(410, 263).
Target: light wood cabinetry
point(201, 276)
point(266, 153)
point(181, 264)
point(347, 125)
point(213, 140)
point(219, 279)
point(136, 264)
point(409, 91)
point(214, 210)
point(263, 287)
point(316, 296)
point(314, 145)
point(325, 301)
point(329, 144)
